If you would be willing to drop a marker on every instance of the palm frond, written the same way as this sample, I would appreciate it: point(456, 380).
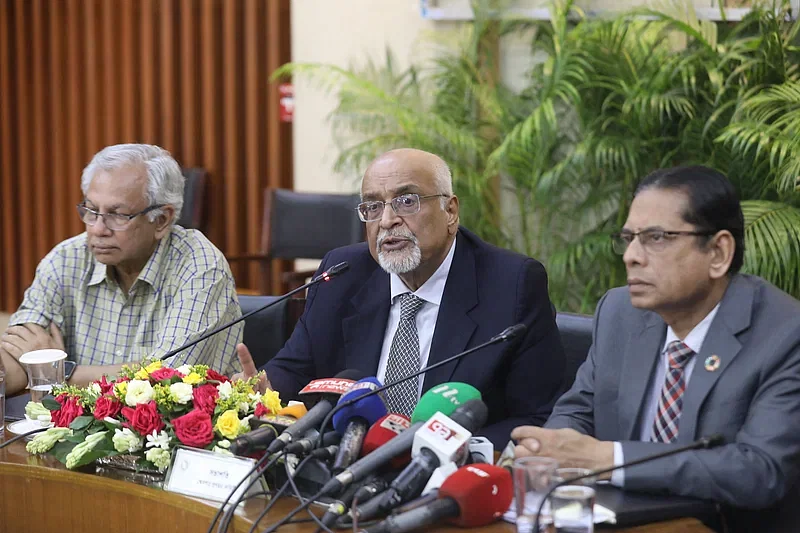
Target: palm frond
point(772, 243)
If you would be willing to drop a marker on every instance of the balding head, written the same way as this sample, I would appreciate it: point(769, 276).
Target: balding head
point(415, 241)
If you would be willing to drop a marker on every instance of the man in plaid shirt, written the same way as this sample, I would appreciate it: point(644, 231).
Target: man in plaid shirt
point(134, 284)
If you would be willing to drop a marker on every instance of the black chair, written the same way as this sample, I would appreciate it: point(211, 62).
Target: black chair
point(576, 337)
point(300, 225)
point(266, 332)
point(194, 208)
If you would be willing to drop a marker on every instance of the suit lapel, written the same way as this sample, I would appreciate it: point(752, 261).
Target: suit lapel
point(363, 329)
point(732, 318)
point(641, 354)
point(454, 327)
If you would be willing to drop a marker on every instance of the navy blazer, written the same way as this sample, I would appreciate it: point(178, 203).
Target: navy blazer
point(487, 290)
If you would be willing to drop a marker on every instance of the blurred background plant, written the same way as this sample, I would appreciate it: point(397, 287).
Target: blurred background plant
point(550, 170)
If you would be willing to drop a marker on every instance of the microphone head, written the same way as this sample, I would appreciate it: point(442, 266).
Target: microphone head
point(511, 332)
point(370, 408)
point(483, 493)
point(384, 430)
point(712, 441)
point(444, 398)
point(328, 387)
point(333, 271)
point(472, 414)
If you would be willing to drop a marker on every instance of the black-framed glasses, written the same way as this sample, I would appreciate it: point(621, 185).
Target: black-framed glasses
point(652, 240)
point(113, 221)
point(403, 205)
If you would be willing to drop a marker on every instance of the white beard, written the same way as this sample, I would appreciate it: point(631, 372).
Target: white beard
point(399, 261)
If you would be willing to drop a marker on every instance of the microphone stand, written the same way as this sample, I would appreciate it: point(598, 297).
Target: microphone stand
point(704, 443)
point(325, 276)
point(507, 334)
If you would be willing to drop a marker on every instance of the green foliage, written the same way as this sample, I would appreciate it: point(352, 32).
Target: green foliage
point(610, 101)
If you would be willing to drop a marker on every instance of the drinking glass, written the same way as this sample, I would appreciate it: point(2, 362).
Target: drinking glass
point(572, 508)
point(45, 368)
point(533, 477)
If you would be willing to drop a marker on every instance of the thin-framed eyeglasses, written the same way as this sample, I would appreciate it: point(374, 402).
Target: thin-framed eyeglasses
point(113, 221)
point(403, 205)
point(651, 240)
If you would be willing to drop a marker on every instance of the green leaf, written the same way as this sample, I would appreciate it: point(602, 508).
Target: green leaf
point(81, 422)
point(50, 404)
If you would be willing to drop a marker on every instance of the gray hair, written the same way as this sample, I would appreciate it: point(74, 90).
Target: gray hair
point(165, 180)
point(443, 179)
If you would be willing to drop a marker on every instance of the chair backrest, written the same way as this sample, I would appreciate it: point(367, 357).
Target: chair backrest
point(300, 225)
point(267, 331)
point(576, 337)
point(193, 212)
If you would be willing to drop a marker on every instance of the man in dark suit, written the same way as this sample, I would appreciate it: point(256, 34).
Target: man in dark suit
point(422, 289)
point(688, 349)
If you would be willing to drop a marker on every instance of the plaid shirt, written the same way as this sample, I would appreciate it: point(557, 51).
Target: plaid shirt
point(185, 289)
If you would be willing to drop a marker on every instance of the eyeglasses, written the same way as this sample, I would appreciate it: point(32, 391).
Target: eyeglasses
point(403, 205)
point(652, 240)
point(113, 221)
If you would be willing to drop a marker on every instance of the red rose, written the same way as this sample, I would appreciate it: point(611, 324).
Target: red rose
point(164, 373)
point(213, 375)
point(205, 398)
point(144, 419)
point(194, 428)
point(70, 410)
point(105, 386)
point(106, 406)
point(261, 409)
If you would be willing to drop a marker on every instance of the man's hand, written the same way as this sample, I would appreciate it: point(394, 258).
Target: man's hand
point(567, 446)
point(249, 369)
point(24, 338)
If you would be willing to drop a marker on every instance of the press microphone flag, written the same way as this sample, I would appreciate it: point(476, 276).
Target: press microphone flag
point(325, 276)
point(353, 422)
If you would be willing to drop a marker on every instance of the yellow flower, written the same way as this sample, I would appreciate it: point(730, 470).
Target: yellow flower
point(271, 400)
point(228, 424)
point(152, 367)
point(121, 389)
point(193, 379)
point(141, 374)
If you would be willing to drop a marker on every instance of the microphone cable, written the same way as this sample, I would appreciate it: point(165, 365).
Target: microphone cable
point(300, 496)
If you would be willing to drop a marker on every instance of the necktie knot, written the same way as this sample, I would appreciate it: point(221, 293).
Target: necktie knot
point(410, 304)
point(678, 354)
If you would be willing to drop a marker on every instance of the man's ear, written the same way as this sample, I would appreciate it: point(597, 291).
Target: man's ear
point(723, 247)
point(452, 209)
point(164, 220)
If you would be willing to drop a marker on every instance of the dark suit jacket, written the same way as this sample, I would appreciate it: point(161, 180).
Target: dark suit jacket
point(487, 290)
point(752, 399)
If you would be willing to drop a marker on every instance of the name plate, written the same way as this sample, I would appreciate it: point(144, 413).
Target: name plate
point(208, 475)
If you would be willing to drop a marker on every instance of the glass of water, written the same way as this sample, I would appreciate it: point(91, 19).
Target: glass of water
point(533, 477)
point(45, 368)
point(573, 509)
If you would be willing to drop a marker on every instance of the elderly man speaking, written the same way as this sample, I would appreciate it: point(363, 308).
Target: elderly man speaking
point(134, 284)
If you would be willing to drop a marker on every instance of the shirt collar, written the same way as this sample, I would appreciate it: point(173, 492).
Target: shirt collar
point(432, 290)
point(153, 272)
point(695, 338)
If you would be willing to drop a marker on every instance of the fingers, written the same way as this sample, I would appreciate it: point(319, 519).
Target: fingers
point(58, 339)
point(246, 360)
point(22, 332)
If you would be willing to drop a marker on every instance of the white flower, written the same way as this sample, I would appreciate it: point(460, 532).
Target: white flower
point(225, 390)
point(112, 421)
point(244, 424)
point(244, 407)
point(159, 457)
point(160, 440)
point(224, 443)
point(95, 389)
point(184, 369)
point(181, 392)
point(222, 447)
point(255, 399)
point(126, 440)
point(139, 391)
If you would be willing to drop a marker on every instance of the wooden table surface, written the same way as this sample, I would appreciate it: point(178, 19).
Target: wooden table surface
point(38, 494)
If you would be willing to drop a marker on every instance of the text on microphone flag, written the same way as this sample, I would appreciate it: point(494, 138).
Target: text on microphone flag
point(394, 422)
point(328, 385)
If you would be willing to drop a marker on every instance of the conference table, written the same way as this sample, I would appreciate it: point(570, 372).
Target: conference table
point(38, 494)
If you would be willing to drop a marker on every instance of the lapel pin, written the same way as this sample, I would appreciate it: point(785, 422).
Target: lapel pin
point(712, 363)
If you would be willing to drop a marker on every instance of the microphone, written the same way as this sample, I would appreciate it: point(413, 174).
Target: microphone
point(327, 391)
point(264, 431)
point(454, 392)
point(439, 441)
point(481, 450)
point(701, 444)
point(474, 496)
point(325, 276)
point(353, 421)
point(305, 445)
point(400, 444)
point(382, 431)
point(507, 334)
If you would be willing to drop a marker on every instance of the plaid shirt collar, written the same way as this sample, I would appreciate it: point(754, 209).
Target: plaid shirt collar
point(153, 272)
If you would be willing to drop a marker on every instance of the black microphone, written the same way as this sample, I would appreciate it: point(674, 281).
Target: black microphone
point(507, 334)
point(325, 276)
point(701, 444)
point(305, 445)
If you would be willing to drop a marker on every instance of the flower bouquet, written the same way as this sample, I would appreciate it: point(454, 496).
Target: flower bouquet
point(147, 411)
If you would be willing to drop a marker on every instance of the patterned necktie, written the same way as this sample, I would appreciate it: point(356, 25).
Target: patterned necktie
point(665, 426)
point(404, 357)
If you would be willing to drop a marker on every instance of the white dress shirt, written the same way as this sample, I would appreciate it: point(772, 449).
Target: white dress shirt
point(431, 292)
point(693, 340)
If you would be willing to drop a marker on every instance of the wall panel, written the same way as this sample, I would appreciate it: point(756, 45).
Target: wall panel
point(189, 75)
